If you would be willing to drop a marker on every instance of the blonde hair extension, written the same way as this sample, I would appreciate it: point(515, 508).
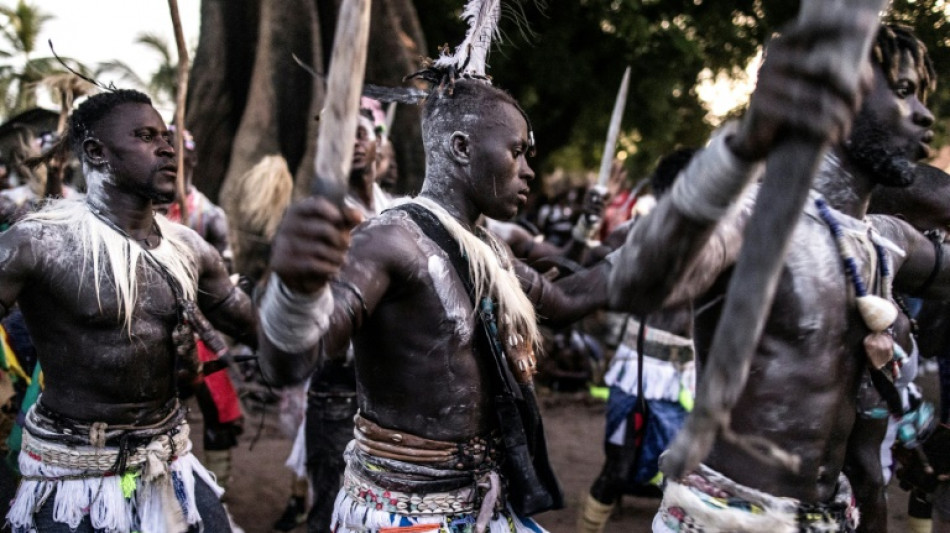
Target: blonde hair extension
point(492, 274)
point(265, 192)
point(102, 245)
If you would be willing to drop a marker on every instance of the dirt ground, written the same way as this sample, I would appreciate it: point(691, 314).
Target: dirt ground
point(575, 428)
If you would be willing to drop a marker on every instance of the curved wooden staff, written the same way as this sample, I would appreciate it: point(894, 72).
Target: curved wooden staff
point(180, 97)
point(789, 171)
point(342, 102)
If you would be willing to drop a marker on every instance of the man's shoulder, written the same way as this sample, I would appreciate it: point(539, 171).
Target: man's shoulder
point(391, 234)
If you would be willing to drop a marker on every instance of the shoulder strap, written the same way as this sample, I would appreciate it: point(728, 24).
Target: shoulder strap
point(433, 229)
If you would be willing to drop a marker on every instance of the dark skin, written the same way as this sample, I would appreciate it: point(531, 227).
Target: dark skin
point(94, 372)
point(363, 168)
point(418, 327)
point(801, 392)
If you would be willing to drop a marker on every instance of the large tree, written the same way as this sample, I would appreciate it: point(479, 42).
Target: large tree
point(565, 74)
point(248, 98)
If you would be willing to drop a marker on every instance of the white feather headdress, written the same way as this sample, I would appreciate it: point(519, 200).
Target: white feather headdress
point(471, 57)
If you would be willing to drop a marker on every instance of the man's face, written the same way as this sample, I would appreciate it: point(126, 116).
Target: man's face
point(499, 168)
point(135, 144)
point(892, 130)
point(364, 149)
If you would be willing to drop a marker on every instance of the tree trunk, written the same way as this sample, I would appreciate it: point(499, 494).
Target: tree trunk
point(219, 83)
point(396, 47)
point(248, 98)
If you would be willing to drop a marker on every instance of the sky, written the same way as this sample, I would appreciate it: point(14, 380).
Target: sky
point(95, 31)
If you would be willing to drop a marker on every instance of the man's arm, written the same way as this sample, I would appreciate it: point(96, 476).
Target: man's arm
point(321, 289)
point(18, 261)
point(680, 248)
point(225, 305)
point(925, 268)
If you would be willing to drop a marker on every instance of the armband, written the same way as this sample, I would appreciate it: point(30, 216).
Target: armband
point(708, 186)
point(291, 321)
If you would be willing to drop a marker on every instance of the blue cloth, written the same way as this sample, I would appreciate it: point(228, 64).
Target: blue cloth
point(664, 420)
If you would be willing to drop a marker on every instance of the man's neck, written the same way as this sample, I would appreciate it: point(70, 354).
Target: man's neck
point(453, 200)
point(130, 213)
point(844, 186)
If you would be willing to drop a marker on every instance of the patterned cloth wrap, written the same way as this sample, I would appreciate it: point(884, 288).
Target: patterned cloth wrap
point(709, 502)
point(398, 482)
point(148, 487)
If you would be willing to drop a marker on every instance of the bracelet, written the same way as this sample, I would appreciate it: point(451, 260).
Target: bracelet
point(294, 322)
point(706, 189)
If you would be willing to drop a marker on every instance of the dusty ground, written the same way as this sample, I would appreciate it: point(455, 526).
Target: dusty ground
point(574, 424)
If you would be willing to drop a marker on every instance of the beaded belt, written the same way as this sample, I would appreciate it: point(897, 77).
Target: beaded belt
point(462, 500)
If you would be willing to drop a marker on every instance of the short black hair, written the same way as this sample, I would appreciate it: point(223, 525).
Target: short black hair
point(84, 119)
point(891, 42)
point(668, 168)
point(97, 107)
point(467, 97)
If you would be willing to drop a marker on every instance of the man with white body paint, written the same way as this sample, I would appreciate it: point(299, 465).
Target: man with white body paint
point(428, 447)
point(110, 292)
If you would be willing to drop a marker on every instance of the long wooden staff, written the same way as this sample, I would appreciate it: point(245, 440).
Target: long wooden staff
point(180, 98)
point(789, 172)
point(342, 103)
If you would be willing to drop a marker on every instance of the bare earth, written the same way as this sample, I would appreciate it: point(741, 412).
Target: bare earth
point(574, 426)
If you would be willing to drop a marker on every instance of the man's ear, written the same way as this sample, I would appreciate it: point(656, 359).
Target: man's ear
point(92, 148)
point(460, 147)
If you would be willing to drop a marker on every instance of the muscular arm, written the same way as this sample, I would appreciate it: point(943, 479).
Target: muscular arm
point(863, 468)
point(568, 299)
point(217, 236)
point(222, 302)
point(17, 261)
point(920, 259)
point(362, 281)
point(525, 247)
point(669, 255)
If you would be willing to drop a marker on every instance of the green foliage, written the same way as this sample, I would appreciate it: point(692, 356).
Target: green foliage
point(567, 75)
point(20, 72)
point(163, 83)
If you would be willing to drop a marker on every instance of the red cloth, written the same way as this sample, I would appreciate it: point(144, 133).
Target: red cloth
point(617, 211)
point(222, 391)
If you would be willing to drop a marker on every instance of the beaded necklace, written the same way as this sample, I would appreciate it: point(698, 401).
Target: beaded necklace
point(878, 313)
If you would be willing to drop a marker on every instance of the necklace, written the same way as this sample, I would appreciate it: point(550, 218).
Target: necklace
point(183, 336)
point(878, 313)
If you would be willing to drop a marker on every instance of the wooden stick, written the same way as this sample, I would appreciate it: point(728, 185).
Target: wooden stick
point(340, 114)
point(181, 96)
point(789, 172)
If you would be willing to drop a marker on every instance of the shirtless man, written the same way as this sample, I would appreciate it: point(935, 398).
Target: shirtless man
point(425, 383)
point(105, 287)
point(802, 393)
point(421, 369)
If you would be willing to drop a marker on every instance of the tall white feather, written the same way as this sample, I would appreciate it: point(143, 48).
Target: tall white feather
point(482, 17)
